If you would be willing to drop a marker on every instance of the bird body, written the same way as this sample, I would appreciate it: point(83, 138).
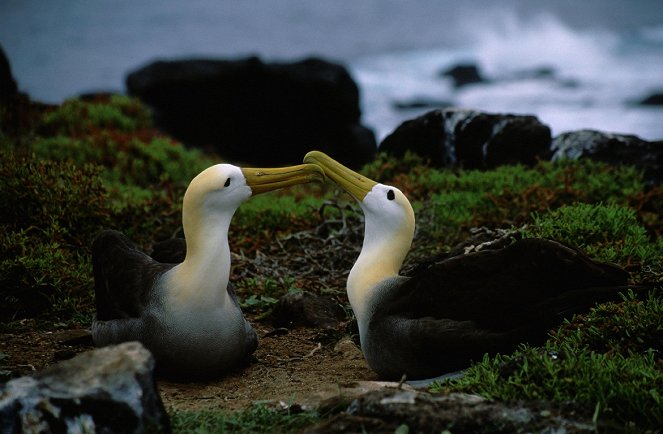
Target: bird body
point(186, 314)
point(454, 311)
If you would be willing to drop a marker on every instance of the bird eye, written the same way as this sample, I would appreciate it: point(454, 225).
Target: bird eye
point(227, 183)
point(391, 195)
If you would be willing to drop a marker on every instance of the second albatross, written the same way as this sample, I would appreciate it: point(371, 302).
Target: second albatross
point(454, 311)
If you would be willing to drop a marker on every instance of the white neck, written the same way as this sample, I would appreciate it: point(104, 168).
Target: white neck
point(381, 257)
point(203, 276)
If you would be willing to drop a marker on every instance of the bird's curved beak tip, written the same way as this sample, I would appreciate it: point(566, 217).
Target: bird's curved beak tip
point(352, 182)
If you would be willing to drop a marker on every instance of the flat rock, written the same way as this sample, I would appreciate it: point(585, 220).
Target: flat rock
point(471, 139)
point(109, 390)
point(249, 111)
point(385, 410)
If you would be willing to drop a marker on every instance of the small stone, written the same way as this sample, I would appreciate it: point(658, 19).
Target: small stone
point(308, 309)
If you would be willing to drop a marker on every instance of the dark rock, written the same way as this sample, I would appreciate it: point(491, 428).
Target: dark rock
point(385, 410)
point(653, 99)
point(541, 72)
point(471, 139)
point(421, 103)
point(110, 390)
point(615, 149)
point(305, 308)
point(258, 113)
point(464, 74)
point(8, 87)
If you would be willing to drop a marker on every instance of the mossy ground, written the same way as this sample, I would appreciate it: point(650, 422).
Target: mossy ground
point(73, 170)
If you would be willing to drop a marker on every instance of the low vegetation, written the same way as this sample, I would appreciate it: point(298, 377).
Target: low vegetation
point(259, 419)
point(94, 164)
point(609, 360)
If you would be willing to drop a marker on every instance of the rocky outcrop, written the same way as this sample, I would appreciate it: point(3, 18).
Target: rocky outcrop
point(258, 113)
point(421, 103)
point(463, 74)
point(110, 390)
point(471, 139)
point(615, 149)
point(653, 99)
point(385, 410)
point(8, 87)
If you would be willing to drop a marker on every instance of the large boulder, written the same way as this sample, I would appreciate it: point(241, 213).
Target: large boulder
point(463, 74)
point(615, 149)
point(471, 139)
point(8, 87)
point(259, 113)
point(110, 390)
point(653, 99)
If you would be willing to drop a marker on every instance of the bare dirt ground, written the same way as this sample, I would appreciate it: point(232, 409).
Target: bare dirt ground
point(299, 366)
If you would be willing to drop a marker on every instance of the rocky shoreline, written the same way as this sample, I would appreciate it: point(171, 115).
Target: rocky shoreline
point(260, 113)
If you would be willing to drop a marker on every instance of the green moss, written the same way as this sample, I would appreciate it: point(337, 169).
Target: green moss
point(608, 359)
point(128, 161)
point(51, 212)
point(75, 117)
point(626, 389)
point(258, 419)
point(449, 202)
point(271, 212)
point(632, 327)
point(607, 232)
point(38, 194)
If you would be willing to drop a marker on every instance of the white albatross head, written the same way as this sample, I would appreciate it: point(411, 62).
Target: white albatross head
point(388, 233)
point(220, 189)
point(209, 204)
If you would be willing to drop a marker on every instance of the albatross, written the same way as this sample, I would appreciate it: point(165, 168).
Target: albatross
point(451, 312)
point(185, 313)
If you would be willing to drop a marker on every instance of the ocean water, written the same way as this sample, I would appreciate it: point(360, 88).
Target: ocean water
point(600, 56)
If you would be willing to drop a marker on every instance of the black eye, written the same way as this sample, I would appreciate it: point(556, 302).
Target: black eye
point(227, 183)
point(391, 195)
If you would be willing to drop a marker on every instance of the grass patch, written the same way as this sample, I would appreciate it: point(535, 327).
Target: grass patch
point(50, 212)
point(609, 233)
point(632, 327)
point(258, 419)
point(607, 361)
point(78, 117)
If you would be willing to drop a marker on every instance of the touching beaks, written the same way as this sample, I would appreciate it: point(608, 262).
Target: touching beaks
point(263, 180)
point(354, 183)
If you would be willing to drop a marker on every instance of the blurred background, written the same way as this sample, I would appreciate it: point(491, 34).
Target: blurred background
point(573, 64)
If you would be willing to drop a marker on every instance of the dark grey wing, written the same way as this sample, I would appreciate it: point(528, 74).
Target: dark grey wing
point(170, 251)
point(124, 276)
point(505, 287)
point(429, 347)
point(456, 310)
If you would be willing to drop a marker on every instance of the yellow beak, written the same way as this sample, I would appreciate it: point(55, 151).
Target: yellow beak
point(264, 180)
point(352, 182)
